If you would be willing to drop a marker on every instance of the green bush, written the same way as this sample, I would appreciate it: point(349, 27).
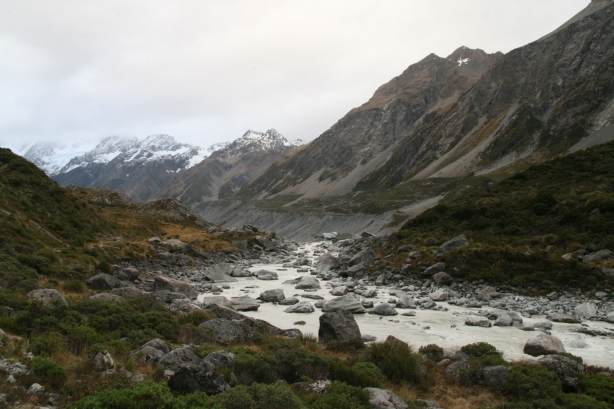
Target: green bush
point(349, 346)
point(479, 349)
point(255, 368)
point(50, 343)
point(51, 372)
point(432, 352)
point(600, 387)
point(338, 395)
point(526, 382)
point(294, 362)
point(396, 360)
point(259, 396)
point(363, 376)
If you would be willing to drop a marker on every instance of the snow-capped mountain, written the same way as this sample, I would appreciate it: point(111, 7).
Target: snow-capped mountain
point(52, 156)
point(230, 166)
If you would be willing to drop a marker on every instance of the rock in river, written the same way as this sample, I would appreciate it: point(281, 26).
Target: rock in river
point(272, 295)
point(543, 344)
point(338, 325)
point(301, 307)
point(383, 309)
point(348, 302)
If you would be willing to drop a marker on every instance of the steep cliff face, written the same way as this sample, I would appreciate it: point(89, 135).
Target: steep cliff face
point(223, 173)
point(469, 113)
point(363, 139)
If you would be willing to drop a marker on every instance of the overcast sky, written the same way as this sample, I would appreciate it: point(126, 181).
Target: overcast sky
point(206, 71)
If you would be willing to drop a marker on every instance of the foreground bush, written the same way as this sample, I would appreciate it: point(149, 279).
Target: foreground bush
point(397, 361)
point(259, 396)
point(341, 396)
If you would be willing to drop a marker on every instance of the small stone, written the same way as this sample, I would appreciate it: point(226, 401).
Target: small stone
point(35, 389)
point(103, 361)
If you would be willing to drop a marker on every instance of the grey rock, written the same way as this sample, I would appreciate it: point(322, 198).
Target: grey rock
point(219, 300)
point(566, 318)
point(178, 358)
point(223, 273)
point(319, 303)
point(370, 293)
point(156, 343)
point(338, 291)
point(326, 262)
point(302, 307)
point(244, 303)
point(407, 301)
point(307, 283)
point(384, 399)
point(365, 256)
point(455, 368)
point(435, 268)
point(173, 244)
point(103, 281)
point(35, 389)
point(383, 309)
point(488, 293)
point(439, 295)
point(610, 317)
point(108, 297)
point(198, 378)
point(454, 244)
point(598, 256)
point(543, 324)
point(367, 303)
point(47, 297)
point(130, 273)
point(264, 242)
point(272, 295)
point(585, 310)
point(265, 275)
point(220, 359)
point(103, 361)
point(543, 344)
point(289, 301)
point(162, 283)
point(428, 304)
point(239, 272)
point(475, 321)
point(504, 320)
point(146, 355)
point(567, 369)
point(495, 376)
point(427, 404)
point(348, 302)
point(442, 278)
point(338, 325)
point(130, 292)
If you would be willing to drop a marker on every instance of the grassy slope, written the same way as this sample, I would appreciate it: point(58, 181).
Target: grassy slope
point(519, 228)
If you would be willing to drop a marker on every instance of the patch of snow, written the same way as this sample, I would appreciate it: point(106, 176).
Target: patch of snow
point(462, 61)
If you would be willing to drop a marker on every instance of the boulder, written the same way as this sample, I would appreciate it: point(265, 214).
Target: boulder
point(146, 355)
point(220, 359)
point(289, 301)
point(504, 320)
point(265, 275)
point(365, 256)
point(598, 256)
point(219, 300)
point(367, 303)
point(610, 317)
point(158, 344)
point(543, 344)
point(225, 331)
point(488, 293)
point(47, 297)
point(585, 310)
point(103, 361)
point(428, 304)
point(435, 268)
point(326, 262)
point(162, 283)
point(455, 368)
point(566, 318)
point(130, 292)
point(129, 273)
point(108, 297)
point(567, 369)
point(103, 281)
point(272, 295)
point(301, 307)
point(495, 376)
point(308, 283)
point(439, 295)
point(241, 245)
point(221, 273)
point(198, 378)
point(451, 245)
point(407, 301)
point(34, 389)
point(442, 278)
point(173, 244)
point(384, 399)
point(476, 321)
point(239, 272)
point(244, 303)
point(264, 242)
point(178, 358)
point(338, 291)
point(383, 309)
point(338, 325)
point(348, 302)
point(370, 293)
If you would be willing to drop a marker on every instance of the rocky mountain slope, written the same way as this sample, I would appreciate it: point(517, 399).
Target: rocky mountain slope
point(471, 112)
point(138, 168)
point(230, 167)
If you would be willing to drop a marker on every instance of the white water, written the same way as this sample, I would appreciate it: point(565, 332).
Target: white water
point(509, 340)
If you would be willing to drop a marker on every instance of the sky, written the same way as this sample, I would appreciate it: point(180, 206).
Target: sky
point(207, 71)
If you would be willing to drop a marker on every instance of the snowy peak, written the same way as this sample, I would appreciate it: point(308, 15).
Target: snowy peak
point(52, 156)
point(270, 140)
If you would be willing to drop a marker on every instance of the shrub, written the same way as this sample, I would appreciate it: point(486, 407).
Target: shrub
point(345, 346)
point(259, 396)
point(600, 387)
point(194, 318)
point(255, 368)
point(81, 337)
point(75, 286)
point(294, 362)
point(338, 395)
point(364, 376)
point(51, 372)
point(50, 343)
point(479, 348)
point(527, 382)
point(432, 352)
point(396, 360)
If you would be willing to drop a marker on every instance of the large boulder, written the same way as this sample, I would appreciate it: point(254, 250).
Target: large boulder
point(158, 344)
point(488, 293)
point(308, 283)
point(272, 295)
point(103, 361)
point(338, 325)
point(219, 300)
point(475, 321)
point(504, 320)
point(108, 297)
point(566, 318)
point(384, 399)
point(442, 278)
point(567, 369)
point(383, 309)
point(543, 344)
point(48, 297)
point(266, 275)
point(340, 290)
point(225, 331)
point(348, 302)
point(585, 310)
point(264, 242)
point(407, 301)
point(220, 273)
point(326, 262)
point(439, 295)
point(146, 355)
point(162, 283)
point(220, 359)
point(435, 268)
point(129, 273)
point(370, 293)
point(103, 281)
point(451, 245)
point(597, 256)
point(365, 256)
point(198, 378)
point(301, 307)
point(178, 358)
point(244, 303)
